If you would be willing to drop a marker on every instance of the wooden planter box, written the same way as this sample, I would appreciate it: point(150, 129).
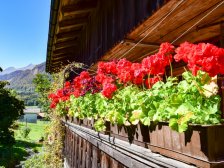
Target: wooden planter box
point(83, 122)
point(202, 146)
point(137, 134)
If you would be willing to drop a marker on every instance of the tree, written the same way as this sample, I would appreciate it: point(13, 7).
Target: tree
point(42, 83)
point(10, 109)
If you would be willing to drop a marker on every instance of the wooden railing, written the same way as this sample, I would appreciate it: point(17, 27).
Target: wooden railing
point(85, 148)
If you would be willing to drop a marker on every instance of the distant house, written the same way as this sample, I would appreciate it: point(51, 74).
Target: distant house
point(30, 115)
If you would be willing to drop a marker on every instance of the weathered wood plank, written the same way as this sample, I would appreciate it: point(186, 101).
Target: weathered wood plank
point(83, 165)
point(95, 157)
point(129, 155)
point(81, 7)
point(88, 155)
point(104, 160)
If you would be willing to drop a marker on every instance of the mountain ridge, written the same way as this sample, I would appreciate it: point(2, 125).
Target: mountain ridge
point(13, 69)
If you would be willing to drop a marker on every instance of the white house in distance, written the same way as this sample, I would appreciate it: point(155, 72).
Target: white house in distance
point(30, 115)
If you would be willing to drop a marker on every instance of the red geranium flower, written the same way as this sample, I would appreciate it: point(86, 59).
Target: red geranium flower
point(166, 48)
point(203, 56)
point(108, 90)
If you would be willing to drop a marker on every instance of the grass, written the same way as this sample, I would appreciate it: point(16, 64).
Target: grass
point(11, 156)
point(37, 131)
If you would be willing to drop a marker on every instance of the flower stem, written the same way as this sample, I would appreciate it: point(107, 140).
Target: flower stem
point(171, 68)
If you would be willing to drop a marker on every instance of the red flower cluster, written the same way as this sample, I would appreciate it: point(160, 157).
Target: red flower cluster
point(126, 71)
point(60, 95)
point(80, 86)
point(202, 56)
point(156, 64)
point(123, 71)
point(206, 57)
point(107, 67)
point(108, 90)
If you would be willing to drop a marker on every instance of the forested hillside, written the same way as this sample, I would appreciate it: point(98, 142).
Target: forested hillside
point(21, 81)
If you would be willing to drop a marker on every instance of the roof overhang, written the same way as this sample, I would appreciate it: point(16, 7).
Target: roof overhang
point(176, 21)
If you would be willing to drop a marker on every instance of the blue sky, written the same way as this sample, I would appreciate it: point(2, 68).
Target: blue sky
point(23, 32)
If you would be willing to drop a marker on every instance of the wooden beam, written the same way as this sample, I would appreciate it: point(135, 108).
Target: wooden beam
point(81, 7)
point(142, 44)
point(64, 50)
point(68, 39)
point(222, 37)
point(66, 44)
point(68, 34)
point(209, 25)
point(64, 55)
point(73, 22)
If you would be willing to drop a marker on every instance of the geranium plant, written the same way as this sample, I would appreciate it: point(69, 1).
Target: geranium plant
point(127, 93)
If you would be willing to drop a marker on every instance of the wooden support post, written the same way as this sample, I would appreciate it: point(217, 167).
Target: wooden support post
point(221, 77)
point(222, 34)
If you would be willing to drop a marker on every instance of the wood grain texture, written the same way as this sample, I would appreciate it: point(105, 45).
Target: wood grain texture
point(103, 151)
point(101, 25)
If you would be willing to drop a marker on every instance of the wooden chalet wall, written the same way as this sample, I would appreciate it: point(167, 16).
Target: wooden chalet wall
point(83, 31)
point(111, 22)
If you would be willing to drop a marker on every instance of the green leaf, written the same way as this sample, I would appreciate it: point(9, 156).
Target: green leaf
point(173, 124)
point(182, 127)
point(99, 125)
point(176, 126)
point(146, 121)
point(135, 117)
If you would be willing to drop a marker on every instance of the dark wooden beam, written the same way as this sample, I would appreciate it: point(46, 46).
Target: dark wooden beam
point(73, 22)
point(141, 44)
point(81, 7)
point(66, 44)
point(222, 36)
point(68, 39)
point(209, 25)
point(64, 56)
point(64, 50)
point(68, 34)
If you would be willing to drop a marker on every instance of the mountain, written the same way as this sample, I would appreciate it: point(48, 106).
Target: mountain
point(30, 66)
point(21, 81)
point(13, 69)
point(8, 70)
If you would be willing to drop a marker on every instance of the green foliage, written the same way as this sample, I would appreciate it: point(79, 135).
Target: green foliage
point(84, 107)
point(36, 131)
point(10, 109)
point(51, 156)
point(178, 103)
point(11, 156)
point(25, 131)
point(100, 125)
point(42, 83)
point(36, 161)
